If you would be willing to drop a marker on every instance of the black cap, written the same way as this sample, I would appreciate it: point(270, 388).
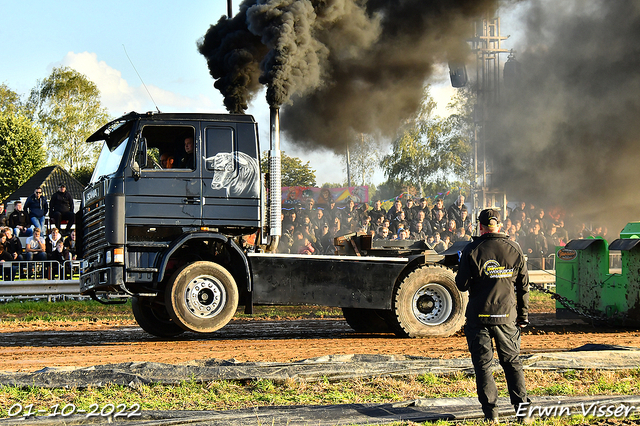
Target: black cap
point(489, 217)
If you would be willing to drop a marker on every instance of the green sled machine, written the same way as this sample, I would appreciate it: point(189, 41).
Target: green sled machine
point(586, 285)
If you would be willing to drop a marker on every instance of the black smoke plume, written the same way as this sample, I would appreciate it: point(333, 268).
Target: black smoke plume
point(569, 132)
point(339, 66)
point(233, 56)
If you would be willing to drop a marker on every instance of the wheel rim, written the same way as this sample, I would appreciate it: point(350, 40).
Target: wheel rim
point(432, 304)
point(205, 296)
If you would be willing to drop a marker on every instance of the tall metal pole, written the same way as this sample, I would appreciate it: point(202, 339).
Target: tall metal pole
point(348, 166)
point(486, 45)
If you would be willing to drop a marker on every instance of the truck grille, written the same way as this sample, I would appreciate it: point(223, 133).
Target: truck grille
point(94, 231)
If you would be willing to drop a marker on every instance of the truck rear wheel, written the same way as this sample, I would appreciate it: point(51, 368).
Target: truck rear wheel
point(202, 297)
point(153, 317)
point(428, 303)
point(366, 320)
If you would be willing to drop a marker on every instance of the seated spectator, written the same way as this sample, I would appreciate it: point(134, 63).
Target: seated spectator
point(553, 239)
point(450, 231)
point(455, 210)
point(466, 221)
point(70, 244)
point(395, 222)
point(430, 241)
point(422, 218)
point(36, 247)
point(19, 221)
point(319, 220)
point(394, 210)
point(286, 240)
point(582, 231)
point(377, 211)
point(306, 247)
point(423, 205)
point(438, 244)
point(403, 234)
point(563, 235)
point(326, 240)
point(298, 241)
point(507, 225)
point(308, 233)
point(461, 235)
point(516, 213)
point(439, 224)
point(418, 233)
point(61, 255)
point(536, 247)
point(409, 211)
point(9, 272)
point(52, 240)
point(520, 232)
point(383, 233)
point(447, 241)
point(3, 215)
point(37, 208)
point(366, 226)
point(13, 245)
point(439, 207)
point(62, 209)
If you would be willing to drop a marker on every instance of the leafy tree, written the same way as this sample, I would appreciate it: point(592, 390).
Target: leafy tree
point(365, 153)
point(83, 174)
point(21, 153)
point(430, 151)
point(67, 105)
point(9, 100)
point(294, 173)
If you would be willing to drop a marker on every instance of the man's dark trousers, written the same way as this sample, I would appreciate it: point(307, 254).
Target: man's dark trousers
point(507, 338)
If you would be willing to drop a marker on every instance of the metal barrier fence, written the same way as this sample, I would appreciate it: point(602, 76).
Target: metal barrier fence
point(40, 278)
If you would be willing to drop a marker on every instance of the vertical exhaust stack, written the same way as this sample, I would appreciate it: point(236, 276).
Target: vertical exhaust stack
point(275, 181)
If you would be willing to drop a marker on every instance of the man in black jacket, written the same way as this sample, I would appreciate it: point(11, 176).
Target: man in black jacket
point(62, 207)
point(494, 271)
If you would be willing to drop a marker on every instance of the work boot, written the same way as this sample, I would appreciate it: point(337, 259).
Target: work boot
point(491, 415)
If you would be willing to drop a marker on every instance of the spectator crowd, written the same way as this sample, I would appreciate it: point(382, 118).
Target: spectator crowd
point(311, 229)
point(40, 243)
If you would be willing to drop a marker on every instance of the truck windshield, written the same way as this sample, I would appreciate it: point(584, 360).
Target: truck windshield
point(113, 149)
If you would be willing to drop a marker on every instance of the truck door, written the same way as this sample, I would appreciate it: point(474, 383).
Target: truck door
point(230, 176)
point(167, 191)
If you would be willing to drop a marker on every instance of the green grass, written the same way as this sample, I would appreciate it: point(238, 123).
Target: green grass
point(226, 395)
point(541, 302)
point(88, 310)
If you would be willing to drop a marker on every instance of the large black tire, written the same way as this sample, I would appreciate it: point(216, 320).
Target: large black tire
point(151, 314)
point(201, 297)
point(366, 320)
point(427, 303)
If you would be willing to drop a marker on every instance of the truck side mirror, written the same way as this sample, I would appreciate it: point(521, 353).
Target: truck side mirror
point(141, 158)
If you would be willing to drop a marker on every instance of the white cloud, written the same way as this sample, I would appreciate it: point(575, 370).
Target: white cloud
point(119, 97)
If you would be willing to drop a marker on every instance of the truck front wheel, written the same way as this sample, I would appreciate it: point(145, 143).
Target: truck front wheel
point(201, 297)
point(427, 303)
point(152, 317)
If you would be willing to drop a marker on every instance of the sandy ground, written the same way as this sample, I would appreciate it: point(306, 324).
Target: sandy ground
point(30, 348)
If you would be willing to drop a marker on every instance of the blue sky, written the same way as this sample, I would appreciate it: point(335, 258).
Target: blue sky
point(160, 38)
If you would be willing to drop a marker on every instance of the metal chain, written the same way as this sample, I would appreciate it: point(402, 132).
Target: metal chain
point(579, 309)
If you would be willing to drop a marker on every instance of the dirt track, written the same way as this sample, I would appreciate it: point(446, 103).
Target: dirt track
point(85, 344)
